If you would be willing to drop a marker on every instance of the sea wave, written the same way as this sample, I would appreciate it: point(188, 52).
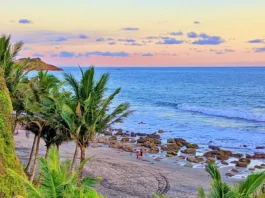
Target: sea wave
point(226, 113)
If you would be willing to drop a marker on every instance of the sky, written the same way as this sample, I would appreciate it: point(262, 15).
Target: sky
point(138, 32)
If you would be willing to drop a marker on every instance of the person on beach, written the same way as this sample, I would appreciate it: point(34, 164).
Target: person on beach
point(141, 154)
point(137, 154)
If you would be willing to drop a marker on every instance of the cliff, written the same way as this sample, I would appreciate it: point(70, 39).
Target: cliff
point(38, 64)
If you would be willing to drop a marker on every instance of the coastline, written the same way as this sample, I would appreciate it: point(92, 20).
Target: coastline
point(125, 176)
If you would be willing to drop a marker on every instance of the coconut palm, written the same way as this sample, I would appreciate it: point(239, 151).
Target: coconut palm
point(251, 187)
point(92, 108)
point(58, 181)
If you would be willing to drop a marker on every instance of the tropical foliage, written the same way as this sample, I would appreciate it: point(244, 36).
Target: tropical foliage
point(57, 180)
point(251, 187)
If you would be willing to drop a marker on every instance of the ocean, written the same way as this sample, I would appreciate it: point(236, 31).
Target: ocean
point(218, 106)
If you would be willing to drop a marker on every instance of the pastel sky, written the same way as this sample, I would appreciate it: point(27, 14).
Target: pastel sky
point(138, 32)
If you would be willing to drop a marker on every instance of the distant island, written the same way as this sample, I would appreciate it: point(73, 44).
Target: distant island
point(37, 64)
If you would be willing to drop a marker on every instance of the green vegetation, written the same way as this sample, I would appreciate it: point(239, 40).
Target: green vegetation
point(58, 181)
point(251, 187)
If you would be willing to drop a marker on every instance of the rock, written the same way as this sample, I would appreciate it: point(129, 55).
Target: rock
point(224, 163)
point(234, 162)
point(141, 123)
point(169, 155)
point(133, 134)
point(132, 141)
point(189, 165)
point(163, 147)
point(210, 160)
point(119, 133)
point(229, 174)
point(102, 140)
point(260, 147)
point(194, 159)
point(140, 134)
point(172, 153)
point(251, 169)
point(237, 155)
point(128, 148)
point(154, 149)
point(214, 148)
point(158, 159)
point(160, 131)
point(224, 152)
point(181, 141)
point(248, 156)
point(95, 145)
point(182, 157)
point(245, 160)
point(107, 133)
point(262, 164)
point(210, 154)
point(153, 135)
point(113, 138)
point(174, 147)
point(125, 139)
point(242, 164)
point(142, 140)
point(156, 141)
point(125, 135)
point(170, 140)
point(235, 170)
point(192, 146)
point(222, 157)
point(258, 167)
point(147, 144)
point(258, 156)
point(244, 145)
point(115, 145)
point(189, 151)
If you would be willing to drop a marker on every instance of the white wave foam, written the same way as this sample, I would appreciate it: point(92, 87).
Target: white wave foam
point(227, 113)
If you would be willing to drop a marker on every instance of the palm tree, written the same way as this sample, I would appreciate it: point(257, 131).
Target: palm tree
point(92, 108)
point(250, 188)
point(14, 73)
point(58, 181)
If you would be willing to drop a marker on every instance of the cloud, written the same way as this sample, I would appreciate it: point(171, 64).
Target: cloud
point(106, 54)
point(147, 54)
point(110, 39)
point(152, 37)
point(26, 48)
point(179, 33)
point(24, 21)
point(170, 41)
point(134, 44)
point(130, 29)
point(192, 35)
point(61, 39)
point(229, 50)
point(256, 41)
point(37, 55)
point(101, 39)
point(208, 40)
point(262, 49)
point(197, 22)
point(83, 36)
point(127, 40)
point(112, 43)
point(66, 54)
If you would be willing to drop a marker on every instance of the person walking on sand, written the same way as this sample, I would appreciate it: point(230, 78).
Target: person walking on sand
point(141, 154)
point(137, 154)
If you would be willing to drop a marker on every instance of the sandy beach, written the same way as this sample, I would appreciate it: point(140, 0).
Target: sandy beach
point(126, 177)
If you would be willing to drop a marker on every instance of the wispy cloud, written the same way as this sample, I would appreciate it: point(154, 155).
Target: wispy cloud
point(262, 49)
point(179, 33)
point(66, 54)
point(37, 55)
point(256, 41)
point(112, 43)
point(101, 39)
point(192, 35)
point(83, 36)
point(197, 22)
point(207, 39)
point(105, 54)
point(147, 54)
point(170, 41)
point(24, 21)
point(130, 29)
point(61, 39)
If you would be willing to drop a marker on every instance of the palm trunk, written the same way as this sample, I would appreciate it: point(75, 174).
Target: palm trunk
point(35, 160)
point(31, 155)
point(15, 124)
point(75, 157)
point(58, 147)
point(47, 150)
point(83, 157)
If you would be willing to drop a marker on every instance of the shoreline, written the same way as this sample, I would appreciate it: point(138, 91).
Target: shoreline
point(125, 176)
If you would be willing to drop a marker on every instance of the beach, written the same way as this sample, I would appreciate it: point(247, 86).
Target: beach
point(126, 177)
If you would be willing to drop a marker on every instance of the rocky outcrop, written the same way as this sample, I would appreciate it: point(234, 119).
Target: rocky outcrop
point(38, 64)
point(189, 151)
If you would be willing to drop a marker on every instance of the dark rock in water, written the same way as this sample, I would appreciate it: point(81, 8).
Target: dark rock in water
point(235, 170)
point(245, 160)
point(118, 133)
point(262, 164)
point(153, 135)
point(248, 156)
point(113, 138)
point(133, 134)
point(214, 148)
point(125, 135)
point(172, 153)
point(189, 165)
point(258, 156)
point(210, 154)
point(259, 167)
point(132, 141)
point(107, 133)
point(194, 159)
point(251, 169)
point(222, 157)
point(160, 131)
point(189, 151)
point(170, 140)
point(224, 163)
point(237, 155)
point(125, 139)
point(163, 147)
point(234, 162)
point(192, 146)
point(154, 149)
point(229, 174)
point(174, 147)
point(224, 152)
point(260, 147)
point(142, 140)
point(182, 157)
point(180, 140)
point(241, 164)
point(244, 145)
point(140, 134)
point(128, 148)
point(156, 141)
point(141, 123)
